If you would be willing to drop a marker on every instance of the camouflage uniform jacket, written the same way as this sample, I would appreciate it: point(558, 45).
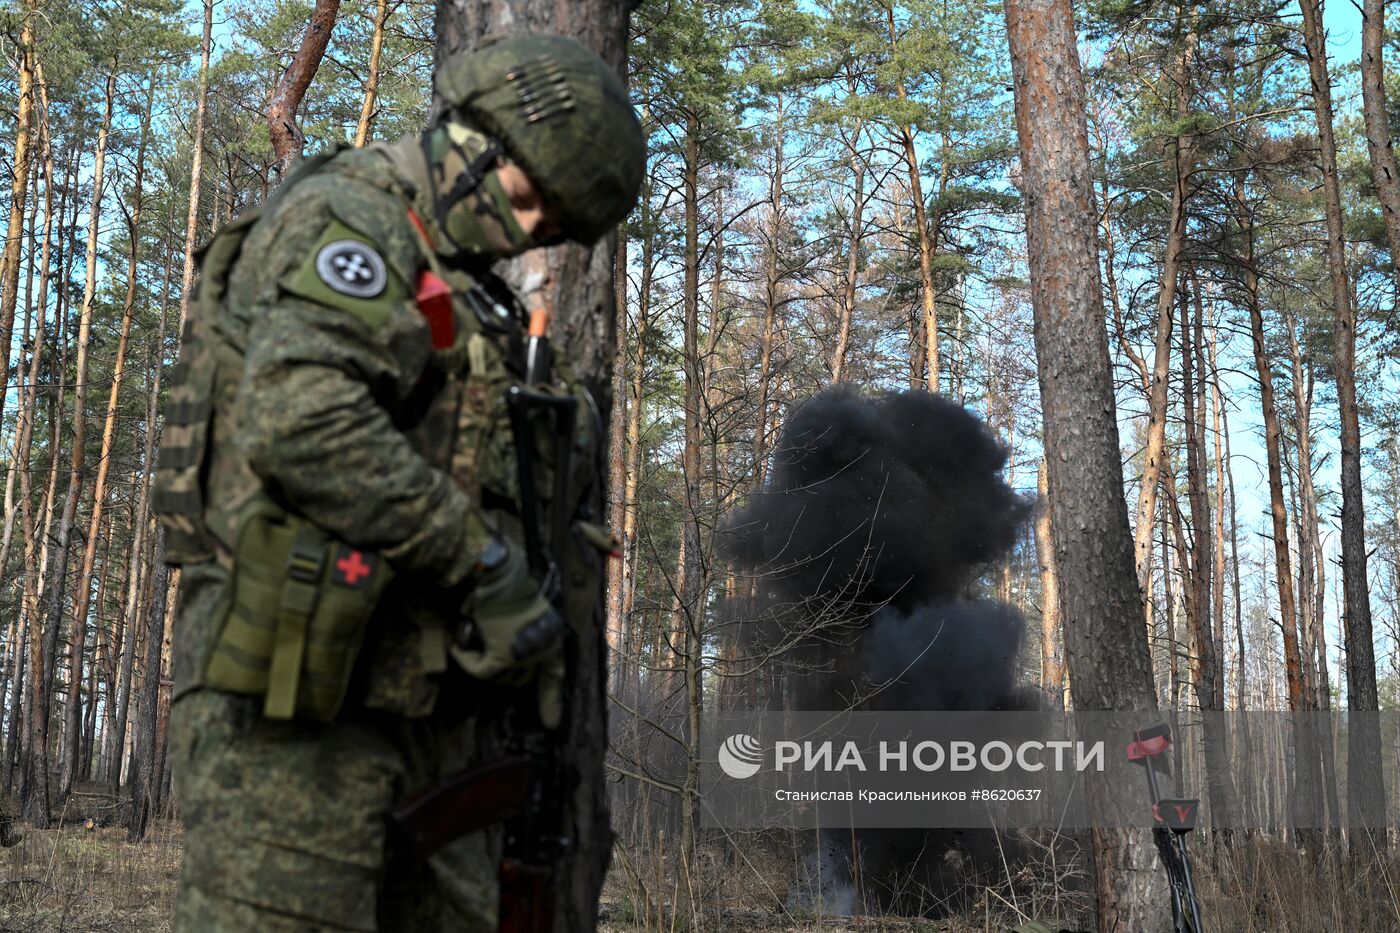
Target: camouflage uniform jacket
point(335, 396)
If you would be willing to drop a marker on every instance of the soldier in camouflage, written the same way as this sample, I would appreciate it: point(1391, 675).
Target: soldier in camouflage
point(338, 482)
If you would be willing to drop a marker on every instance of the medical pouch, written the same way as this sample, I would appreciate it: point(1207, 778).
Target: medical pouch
point(301, 601)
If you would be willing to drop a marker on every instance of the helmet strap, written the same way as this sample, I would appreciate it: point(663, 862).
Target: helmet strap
point(466, 181)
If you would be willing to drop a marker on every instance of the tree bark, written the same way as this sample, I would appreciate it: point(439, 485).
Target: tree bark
point(144, 735)
point(1052, 674)
point(1184, 155)
point(927, 239)
point(36, 806)
point(19, 190)
point(109, 426)
point(196, 163)
point(77, 476)
point(579, 285)
point(37, 535)
point(850, 285)
point(1379, 143)
point(368, 109)
point(282, 127)
point(689, 586)
point(1206, 669)
point(147, 751)
point(1305, 796)
point(617, 467)
point(1365, 784)
point(1109, 665)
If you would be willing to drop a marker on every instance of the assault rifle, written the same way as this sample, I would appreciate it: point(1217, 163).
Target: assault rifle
point(526, 790)
point(1173, 819)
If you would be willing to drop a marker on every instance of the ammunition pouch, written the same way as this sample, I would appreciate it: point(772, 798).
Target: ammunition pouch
point(299, 606)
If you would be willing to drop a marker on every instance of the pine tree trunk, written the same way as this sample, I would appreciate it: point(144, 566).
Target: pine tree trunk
point(630, 675)
point(1109, 665)
point(135, 612)
point(1184, 157)
point(1306, 786)
point(36, 805)
point(196, 164)
point(28, 395)
point(617, 468)
point(376, 48)
point(19, 191)
point(855, 235)
point(282, 126)
point(927, 239)
point(1206, 670)
point(689, 589)
point(148, 747)
point(36, 539)
point(77, 476)
point(772, 281)
point(1365, 783)
point(1052, 674)
point(582, 293)
point(1380, 144)
point(109, 426)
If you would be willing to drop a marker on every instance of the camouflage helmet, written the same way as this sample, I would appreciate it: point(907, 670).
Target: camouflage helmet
point(561, 113)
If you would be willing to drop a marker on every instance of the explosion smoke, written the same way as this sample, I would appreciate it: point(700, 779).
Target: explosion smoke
point(879, 514)
point(896, 498)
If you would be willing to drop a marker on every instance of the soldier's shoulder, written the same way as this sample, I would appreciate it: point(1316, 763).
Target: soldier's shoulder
point(334, 194)
point(337, 239)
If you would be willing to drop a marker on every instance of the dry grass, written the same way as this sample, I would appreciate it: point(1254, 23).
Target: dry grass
point(77, 880)
point(94, 881)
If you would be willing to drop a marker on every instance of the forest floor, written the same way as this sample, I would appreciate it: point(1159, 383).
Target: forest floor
point(78, 880)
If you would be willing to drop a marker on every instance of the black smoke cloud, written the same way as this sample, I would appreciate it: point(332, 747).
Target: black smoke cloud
point(956, 655)
point(879, 513)
point(895, 499)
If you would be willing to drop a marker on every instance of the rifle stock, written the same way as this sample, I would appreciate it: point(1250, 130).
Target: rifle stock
point(461, 803)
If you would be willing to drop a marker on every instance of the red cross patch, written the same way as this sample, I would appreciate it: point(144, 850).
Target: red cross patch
point(353, 569)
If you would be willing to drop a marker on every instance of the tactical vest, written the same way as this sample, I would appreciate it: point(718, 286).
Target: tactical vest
point(282, 632)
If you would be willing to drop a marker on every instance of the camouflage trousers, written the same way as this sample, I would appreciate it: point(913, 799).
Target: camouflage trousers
point(285, 827)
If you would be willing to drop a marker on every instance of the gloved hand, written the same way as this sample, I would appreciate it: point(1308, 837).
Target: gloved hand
point(514, 635)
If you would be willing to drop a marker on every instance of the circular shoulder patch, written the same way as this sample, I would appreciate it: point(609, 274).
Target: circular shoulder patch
point(352, 268)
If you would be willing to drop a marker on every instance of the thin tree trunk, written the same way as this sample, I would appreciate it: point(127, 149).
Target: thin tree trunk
point(95, 669)
point(148, 745)
point(849, 288)
point(1380, 144)
point(282, 128)
point(109, 426)
point(1052, 674)
point(1305, 797)
point(37, 806)
point(1109, 665)
point(1184, 149)
point(196, 164)
point(36, 543)
point(927, 239)
point(772, 280)
point(1365, 784)
point(637, 403)
point(617, 467)
point(1206, 668)
point(368, 109)
point(19, 191)
point(19, 446)
point(689, 587)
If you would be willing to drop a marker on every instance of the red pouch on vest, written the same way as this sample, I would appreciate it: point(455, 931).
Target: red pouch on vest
point(435, 302)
